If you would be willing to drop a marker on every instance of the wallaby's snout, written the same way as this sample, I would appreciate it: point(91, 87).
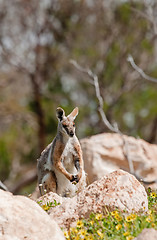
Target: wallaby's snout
point(71, 133)
point(68, 128)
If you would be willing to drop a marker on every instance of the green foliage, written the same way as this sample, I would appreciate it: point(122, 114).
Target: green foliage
point(152, 200)
point(27, 190)
point(48, 205)
point(145, 44)
point(124, 13)
point(4, 160)
point(51, 124)
point(115, 224)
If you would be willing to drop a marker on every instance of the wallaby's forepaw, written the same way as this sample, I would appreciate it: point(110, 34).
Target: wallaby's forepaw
point(75, 178)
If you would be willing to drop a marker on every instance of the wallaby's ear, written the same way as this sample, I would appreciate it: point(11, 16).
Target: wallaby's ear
point(74, 113)
point(60, 113)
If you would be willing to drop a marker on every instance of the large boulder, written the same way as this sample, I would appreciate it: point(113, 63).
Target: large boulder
point(147, 233)
point(118, 189)
point(104, 153)
point(22, 218)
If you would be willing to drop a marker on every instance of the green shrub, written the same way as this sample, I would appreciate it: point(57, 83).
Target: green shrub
point(115, 224)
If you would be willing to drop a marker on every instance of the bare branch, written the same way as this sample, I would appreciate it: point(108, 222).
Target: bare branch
point(95, 82)
point(3, 187)
point(151, 15)
point(139, 70)
point(113, 128)
point(81, 69)
point(142, 14)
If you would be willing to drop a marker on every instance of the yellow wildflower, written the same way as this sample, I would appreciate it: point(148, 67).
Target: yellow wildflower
point(79, 224)
point(128, 218)
point(118, 217)
point(129, 237)
point(73, 230)
point(86, 238)
point(149, 218)
point(118, 227)
point(114, 213)
point(149, 212)
point(91, 222)
point(100, 233)
point(90, 237)
point(77, 237)
point(153, 195)
point(66, 234)
point(153, 225)
point(131, 217)
point(126, 234)
point(83, 232)
point(98, 216)
point(45, 207)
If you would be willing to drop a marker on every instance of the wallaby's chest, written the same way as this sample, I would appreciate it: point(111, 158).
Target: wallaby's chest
point(68, 155)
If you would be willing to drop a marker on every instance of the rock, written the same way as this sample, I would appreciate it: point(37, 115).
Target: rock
point(118, 189)
point(50, 197)
point(22, 219)
point(104, 153)
point(147, 233)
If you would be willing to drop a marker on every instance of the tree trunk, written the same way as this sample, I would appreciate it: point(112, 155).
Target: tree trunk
point(39, 111)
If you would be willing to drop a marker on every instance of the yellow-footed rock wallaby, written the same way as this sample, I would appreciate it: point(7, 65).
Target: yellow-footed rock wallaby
point(60, 167)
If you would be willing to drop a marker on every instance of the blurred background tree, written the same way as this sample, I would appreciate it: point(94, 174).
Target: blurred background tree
point(37, 40)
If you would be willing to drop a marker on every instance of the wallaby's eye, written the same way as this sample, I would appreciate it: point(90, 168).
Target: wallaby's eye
point(73, 124)
point(64, 125)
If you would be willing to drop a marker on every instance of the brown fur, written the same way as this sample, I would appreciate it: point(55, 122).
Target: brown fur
point(78, 151)
point(57, 154)
point(50, 184)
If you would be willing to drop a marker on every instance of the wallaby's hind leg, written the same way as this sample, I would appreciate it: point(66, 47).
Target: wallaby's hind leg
point(48, 183)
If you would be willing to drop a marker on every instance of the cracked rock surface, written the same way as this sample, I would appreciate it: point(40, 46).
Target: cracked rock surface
point(104, 153)
point(118, 189)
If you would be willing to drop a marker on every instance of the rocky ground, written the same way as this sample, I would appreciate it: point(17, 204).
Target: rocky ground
point(23, 218)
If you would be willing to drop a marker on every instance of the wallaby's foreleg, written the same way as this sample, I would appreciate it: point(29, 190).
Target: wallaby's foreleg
point(57, 154)
point(78, 161)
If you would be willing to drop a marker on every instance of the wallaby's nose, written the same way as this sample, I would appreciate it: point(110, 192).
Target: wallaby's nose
point(71, 134)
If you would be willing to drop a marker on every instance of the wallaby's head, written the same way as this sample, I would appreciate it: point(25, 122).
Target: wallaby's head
point(66, 124)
